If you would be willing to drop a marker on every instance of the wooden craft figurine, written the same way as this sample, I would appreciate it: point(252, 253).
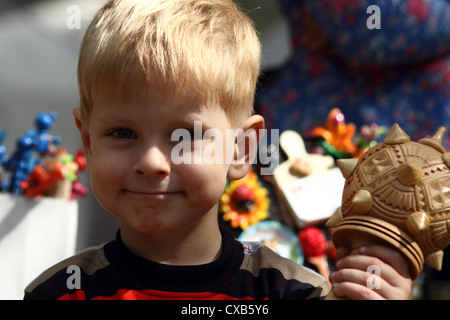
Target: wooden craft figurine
point(397, 193)
point(299, 164)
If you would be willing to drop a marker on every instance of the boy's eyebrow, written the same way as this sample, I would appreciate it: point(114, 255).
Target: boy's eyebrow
point(191, 120)
point(114, 120)
point(180, 121)
point(111, 117)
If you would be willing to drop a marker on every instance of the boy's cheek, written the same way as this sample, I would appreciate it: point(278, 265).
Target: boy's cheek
point(87, 156)
point(105, 168)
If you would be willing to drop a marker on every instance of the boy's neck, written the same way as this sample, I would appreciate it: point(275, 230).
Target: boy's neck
point(196, 246)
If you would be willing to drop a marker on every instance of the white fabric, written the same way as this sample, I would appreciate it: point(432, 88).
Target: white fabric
point(34, 235)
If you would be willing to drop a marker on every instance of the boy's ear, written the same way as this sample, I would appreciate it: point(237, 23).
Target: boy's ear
point(246, 147)
point(85, 137)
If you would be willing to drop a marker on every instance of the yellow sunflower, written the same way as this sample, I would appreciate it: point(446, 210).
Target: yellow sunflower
point(245, 202)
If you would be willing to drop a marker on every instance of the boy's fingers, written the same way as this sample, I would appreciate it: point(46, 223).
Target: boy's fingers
point(358, 284)
point(355, 291)
point(369, 266)
point(391, 256)
point(350, 275)
point(376, 267)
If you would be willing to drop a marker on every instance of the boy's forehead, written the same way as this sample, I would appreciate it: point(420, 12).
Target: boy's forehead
point(158, 98)
point(172, 115)
point(157, 95)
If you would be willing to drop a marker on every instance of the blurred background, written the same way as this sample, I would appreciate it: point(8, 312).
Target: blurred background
point(38, 61)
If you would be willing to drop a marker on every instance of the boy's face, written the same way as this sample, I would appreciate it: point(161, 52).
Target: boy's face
point(129, 150)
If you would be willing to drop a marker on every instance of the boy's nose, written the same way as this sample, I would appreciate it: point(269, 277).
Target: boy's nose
point(152, 162)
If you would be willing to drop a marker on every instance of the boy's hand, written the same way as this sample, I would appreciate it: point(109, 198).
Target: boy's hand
point(353, 280)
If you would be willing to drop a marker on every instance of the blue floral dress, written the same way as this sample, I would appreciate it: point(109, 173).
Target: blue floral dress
point(398, 72)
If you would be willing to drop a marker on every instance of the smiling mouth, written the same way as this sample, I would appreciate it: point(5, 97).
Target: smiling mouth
point(154, 194)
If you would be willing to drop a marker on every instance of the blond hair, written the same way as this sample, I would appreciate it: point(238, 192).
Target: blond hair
point(209, 46)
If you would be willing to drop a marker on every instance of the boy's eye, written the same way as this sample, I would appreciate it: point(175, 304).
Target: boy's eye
point(123, 134)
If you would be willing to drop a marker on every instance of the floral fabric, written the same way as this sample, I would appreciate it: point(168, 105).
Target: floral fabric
point(397, 73)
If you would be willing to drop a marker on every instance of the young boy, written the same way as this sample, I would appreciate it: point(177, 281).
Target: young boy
point(146, 70)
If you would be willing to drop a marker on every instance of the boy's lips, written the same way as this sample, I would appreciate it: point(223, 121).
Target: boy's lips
point(153, 193)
